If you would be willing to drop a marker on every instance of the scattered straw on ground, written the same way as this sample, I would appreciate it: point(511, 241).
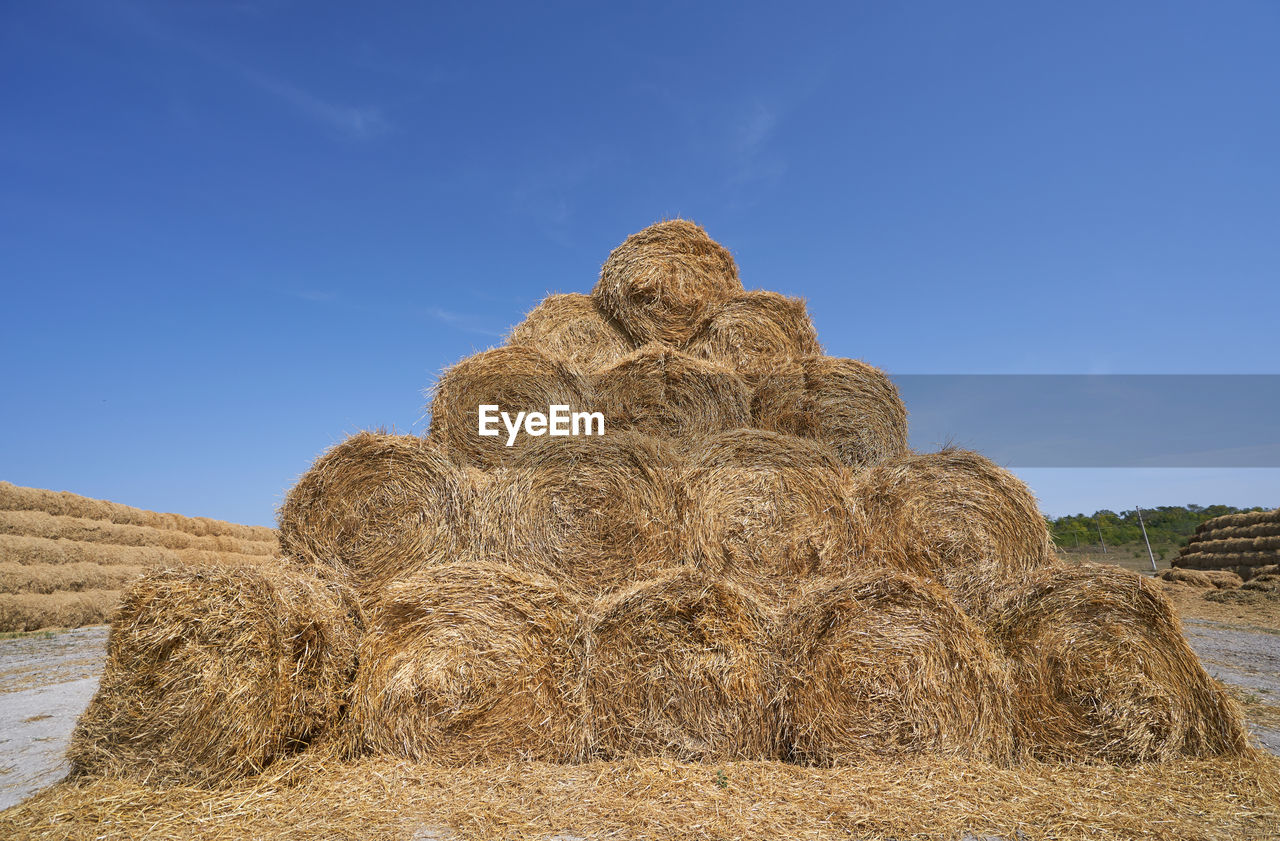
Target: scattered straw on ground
point(659, 799)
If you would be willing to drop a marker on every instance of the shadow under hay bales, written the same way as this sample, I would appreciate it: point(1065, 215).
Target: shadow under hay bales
point(572, 328)
point(1102, 671)
point(594, 513)
point(663, 281)
point(214, 673)
point(468, 662)
point(658, 390)
point(515, 379)
point(679, 666)
point(846, 404)
point(375, 507)
point(767, 509)
point(882, 664)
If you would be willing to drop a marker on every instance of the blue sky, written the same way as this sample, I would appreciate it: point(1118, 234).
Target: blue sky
point(232, 233)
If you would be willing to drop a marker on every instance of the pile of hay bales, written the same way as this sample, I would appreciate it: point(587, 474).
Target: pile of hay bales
point(749, 564)
point(1242, 543)
point(65, 559)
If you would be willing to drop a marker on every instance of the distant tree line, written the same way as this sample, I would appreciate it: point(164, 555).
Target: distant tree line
point(1168, 524)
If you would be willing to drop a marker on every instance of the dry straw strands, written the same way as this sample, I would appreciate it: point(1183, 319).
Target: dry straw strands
point(663, 281)
point(53, 578)
point(33, 611)
point(377, 506)
point(1271, 529)
point(767, 509)
point(572, 328)
point(23, 549)
point(756, 328)
point(660, 391)
point(955, 517)
point(1233, 545)
point(214, 673)
point(846, 404)
point(516, 379)
point(1227, 560)
point(64, 504)
point(1207, 579)
point(679, 666)
point(1243, 519)
point(1102, 671)
point(594, 513)
point(661, 800)
point(468, 662)
point(884, 664)
point(40, 524)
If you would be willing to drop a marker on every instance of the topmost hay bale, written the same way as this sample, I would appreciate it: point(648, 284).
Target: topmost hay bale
point(592, 512)
point(573, 329)
point(753, 329)
point(955, 517)
point(1243, 518)
point(881, 663)
point(657, 390)
point(768, 509)
point(514, 379)
point(663, 281)
point(1102, 671)
point(849, 405)
point(377, 506)
point(213, 673)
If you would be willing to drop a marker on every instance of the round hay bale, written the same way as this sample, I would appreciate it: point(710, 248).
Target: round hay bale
point(515, 379)
point(468, 662)
point(593, 513)
point(883, 664)
point(1268, 569)
point(754, 327)
point(214, 672)
point(956, 518)
point(848, 405)
point(767, 509)
point(1222, 579)
point(660, 391)
point(377, 506)
point(662, 282)
point(572, 328)
point(679, 666)
point(1102, 671)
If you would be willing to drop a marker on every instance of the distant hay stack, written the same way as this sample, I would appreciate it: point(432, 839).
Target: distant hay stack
point(213, 673)
point(678, 666)
point(660, 391)
point(592, 512)
point(468, 662)
point(662, 282)
point(846, 404)
point(515, 379)
point(572, 328)
point(768, 509)
point(882, 664)
point(1103, 672)
point(377, 506)
point(755, 329)
point(957, 518)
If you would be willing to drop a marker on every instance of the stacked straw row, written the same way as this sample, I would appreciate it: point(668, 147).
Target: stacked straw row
point(749, 564)
point(65, 559)
point(1243, 543)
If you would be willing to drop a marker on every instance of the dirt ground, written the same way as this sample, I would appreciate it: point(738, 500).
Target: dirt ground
point(46, 680)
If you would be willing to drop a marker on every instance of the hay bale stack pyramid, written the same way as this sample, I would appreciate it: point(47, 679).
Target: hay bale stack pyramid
point(1247, 544)
point(749, 563)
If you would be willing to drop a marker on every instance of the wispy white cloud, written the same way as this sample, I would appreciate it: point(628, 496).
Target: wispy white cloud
point(357, 121)
point(465, 322)
point(753, 163)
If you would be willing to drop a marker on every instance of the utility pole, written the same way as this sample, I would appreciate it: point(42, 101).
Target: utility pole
point(1098, 526)
point(1150, 554)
